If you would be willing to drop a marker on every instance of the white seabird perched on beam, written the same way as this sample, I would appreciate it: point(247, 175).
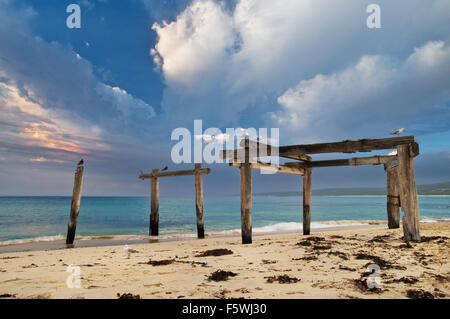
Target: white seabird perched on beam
point(398, 132)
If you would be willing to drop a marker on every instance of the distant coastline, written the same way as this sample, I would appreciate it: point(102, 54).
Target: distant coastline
point(438, 189)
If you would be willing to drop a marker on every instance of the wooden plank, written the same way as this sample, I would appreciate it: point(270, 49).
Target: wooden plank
point(154, 205)
point(246, 200)
point(363, 145)
point(307, 201)
point(234, 155)
point(355, 161)
point(176, 173)
point(408, 194)
point(393, 198)
point(262, 150)
point(199, 203)
point(349, 146)
point(274, 168)
point(75, 205)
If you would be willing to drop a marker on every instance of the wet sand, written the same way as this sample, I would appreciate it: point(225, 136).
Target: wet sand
point(332, 264)
point(100, 241)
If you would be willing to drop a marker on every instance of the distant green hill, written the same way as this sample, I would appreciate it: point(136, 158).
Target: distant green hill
point(426, 189)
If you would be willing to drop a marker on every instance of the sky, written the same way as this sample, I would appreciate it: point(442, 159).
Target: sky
point(113, 91)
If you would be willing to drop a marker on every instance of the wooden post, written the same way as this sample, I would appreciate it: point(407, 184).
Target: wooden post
point(408, 194)
point(199, 202)
point(307, 201)
point(154, 211)
point(246, 197)
point(393, 198)
point(75, 205)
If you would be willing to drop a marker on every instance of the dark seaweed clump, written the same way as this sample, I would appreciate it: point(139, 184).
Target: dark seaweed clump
point(406, 280)
point(425, 239)
point(282, 279)
point(128, 296)
point(221, 275)
point(379, 239)
point(160, 262)
point(379, 261)
point(419, 294)
point(310, 257)
point(363, 285)
point(215, 252)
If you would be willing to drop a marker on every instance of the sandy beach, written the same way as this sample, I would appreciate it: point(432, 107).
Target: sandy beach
point(333, 264)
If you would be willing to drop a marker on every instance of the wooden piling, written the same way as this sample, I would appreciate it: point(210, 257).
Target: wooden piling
point(307, 201)
point(246, 197)
point(393, 198)
point(155, 175)
point(154, 205)
point(75, 205)
point(408, 193)
point(199, 202)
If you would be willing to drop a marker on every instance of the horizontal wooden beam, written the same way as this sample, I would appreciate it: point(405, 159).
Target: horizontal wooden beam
point(271, 151)
point(355, 161)
point(176, 173)
point(274, 168)
point(363, 145)
point(234, 155)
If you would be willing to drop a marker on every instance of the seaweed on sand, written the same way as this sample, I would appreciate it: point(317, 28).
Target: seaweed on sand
point(215, 252)
point(221, 275)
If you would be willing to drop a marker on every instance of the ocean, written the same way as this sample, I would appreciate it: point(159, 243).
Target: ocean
point(45, 218)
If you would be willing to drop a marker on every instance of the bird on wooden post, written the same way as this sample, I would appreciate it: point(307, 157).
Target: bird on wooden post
point(398, 132)
point(81, 162)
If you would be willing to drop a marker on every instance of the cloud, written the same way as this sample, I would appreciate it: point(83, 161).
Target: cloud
point(57, 77)
point(208, 138)
point(27, 126)
point(124, 102)
point(229, 65)
point(51, 99)
point(191, 45)
point(43, 159)
point(54, 111)
point(374, 94)
point(393, 153)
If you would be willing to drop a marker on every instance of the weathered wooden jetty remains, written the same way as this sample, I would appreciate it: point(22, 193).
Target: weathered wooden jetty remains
point(401, 184)
point(75, 205)
point(154, 177)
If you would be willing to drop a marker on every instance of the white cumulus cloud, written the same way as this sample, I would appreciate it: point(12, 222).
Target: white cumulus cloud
point(372, 93)
point(220, 62)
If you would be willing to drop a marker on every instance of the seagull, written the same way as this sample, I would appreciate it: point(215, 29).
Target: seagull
point(81, 162)
point(398, 132)
point(165, 169)
point(129, 250)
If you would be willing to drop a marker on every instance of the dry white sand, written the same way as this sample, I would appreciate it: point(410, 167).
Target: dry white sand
point(324, 265)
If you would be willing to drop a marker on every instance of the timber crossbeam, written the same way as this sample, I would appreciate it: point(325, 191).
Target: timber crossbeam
point(272, 168)
point(355, 161)
point(176, 173)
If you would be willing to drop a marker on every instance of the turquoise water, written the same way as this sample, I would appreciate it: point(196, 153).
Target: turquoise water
point(32, 217)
